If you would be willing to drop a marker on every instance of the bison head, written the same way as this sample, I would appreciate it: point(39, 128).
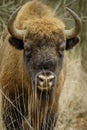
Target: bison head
point(44, 42)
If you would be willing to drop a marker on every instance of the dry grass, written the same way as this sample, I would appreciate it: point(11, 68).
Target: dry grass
point(73, 99)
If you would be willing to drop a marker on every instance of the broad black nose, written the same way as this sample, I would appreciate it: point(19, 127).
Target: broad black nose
point(45, 80)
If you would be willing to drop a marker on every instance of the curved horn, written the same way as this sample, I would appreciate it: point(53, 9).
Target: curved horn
point(16, 33)
point(74, 31)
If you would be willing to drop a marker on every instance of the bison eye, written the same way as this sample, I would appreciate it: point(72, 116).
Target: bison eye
point(62, 46)
point(60, 53)
point(27, 51)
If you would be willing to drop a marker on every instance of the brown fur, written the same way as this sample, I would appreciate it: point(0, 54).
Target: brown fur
point(39, 22)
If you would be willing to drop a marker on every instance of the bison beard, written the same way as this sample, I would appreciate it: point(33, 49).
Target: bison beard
point(33, 66)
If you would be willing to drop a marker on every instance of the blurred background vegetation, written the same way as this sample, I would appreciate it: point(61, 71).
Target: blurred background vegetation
point(80, 6)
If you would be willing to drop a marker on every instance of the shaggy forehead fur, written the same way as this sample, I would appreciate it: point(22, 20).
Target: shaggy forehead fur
point(45, 28)
point(39, 22)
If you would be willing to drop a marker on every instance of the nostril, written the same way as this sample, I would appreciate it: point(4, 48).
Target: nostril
point(40, 80)
point(46, 77)
point(45, 80)
point(51, 77)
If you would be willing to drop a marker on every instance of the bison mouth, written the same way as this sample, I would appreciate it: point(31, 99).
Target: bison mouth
point(42, 88)
point(45, 81)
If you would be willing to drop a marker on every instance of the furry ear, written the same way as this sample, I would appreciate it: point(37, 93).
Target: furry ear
point(18, 44)
point(70, 43)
